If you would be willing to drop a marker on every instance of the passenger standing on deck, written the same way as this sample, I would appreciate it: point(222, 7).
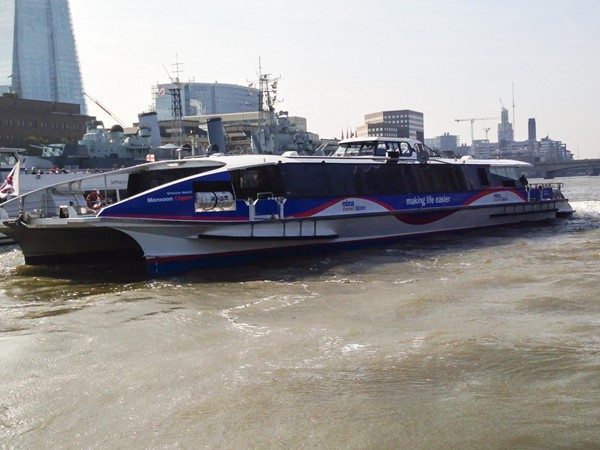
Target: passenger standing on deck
point(523, 180)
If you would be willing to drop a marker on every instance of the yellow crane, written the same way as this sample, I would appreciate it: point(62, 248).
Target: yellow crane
point(473, 119)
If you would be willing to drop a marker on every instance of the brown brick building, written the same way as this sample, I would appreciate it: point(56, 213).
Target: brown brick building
point(24, 122)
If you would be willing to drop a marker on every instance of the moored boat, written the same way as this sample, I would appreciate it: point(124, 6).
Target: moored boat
point(224, 210)
point(19, 180)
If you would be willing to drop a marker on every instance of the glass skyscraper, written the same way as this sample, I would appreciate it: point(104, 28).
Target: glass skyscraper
point(38, 56)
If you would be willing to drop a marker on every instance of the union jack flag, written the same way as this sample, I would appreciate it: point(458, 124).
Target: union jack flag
point(8, 187)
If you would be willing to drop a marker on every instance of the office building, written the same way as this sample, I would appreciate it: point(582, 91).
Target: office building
point(38, 57)
point(399, 123)
point(199, 99)
point(24, 122)
point(531, 130)
point(445, 144)
point(505, 129)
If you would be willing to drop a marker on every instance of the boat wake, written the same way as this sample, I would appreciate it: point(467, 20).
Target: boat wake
point(589, 209)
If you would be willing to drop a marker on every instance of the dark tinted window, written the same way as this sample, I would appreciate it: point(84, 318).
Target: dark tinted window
point(248, 183)
point(333, 180)
point(483, 178)
point(144, 180)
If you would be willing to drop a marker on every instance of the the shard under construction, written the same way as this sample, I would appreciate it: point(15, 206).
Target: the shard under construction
point(38, 55)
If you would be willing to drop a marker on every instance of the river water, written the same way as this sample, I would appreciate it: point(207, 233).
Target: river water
point(483, 340)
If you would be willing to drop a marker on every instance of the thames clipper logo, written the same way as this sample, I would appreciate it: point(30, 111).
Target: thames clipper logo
point(350, 206)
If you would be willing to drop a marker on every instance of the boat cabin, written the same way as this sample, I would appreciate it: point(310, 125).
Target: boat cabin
point(8, 158)
point(382, 147)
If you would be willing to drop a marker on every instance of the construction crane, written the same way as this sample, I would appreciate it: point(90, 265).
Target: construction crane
point(97, 102)
point(473, 120)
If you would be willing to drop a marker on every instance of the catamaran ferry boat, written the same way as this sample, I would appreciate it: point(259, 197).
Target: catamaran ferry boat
point(224, 210)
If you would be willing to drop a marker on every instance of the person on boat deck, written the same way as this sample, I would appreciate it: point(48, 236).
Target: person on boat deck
point(523, 180)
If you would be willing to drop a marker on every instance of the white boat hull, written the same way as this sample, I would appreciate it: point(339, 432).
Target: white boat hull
point(166, 246)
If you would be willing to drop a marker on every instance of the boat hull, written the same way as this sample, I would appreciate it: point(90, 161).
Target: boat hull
point(48, 244)
point(167, 247)
point(192, 247)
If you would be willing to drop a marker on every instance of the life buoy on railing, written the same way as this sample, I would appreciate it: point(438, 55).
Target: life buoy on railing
point(95, 200)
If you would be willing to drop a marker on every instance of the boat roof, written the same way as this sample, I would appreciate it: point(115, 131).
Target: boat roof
point(241, 161)
point(233, 162)
point(11, 151)
point(378, 139)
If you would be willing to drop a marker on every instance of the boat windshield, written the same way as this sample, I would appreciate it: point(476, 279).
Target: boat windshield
point(356, 149)
point(7, 159)
point(373, 148)
point(509, 172)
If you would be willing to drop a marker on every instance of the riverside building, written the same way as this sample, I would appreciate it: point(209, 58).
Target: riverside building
point(398, 123)
point(531, 150)
point(201, 99)
point(25, 122)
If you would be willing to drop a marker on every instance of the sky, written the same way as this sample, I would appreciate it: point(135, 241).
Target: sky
point(338, 60)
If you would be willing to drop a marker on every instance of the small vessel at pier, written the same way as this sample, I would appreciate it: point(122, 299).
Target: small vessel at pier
point(186, 214)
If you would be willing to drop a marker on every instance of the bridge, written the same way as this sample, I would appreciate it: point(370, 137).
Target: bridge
point(556, 169)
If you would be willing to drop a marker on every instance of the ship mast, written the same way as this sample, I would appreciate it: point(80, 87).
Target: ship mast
point(264, 137)
point(267, 96)
point(176, 107)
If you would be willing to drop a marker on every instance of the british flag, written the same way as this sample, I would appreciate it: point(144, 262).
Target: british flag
point(8, 187)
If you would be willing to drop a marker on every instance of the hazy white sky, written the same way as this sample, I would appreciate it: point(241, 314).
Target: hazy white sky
point(341, 59)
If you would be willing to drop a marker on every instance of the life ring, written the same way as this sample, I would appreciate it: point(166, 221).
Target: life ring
point(95, 200)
